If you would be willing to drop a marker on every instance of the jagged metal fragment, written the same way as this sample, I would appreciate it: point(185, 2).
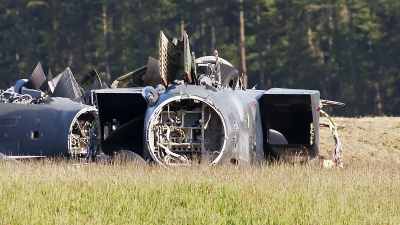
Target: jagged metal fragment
point(331, 103)
point(163, 51)
point(131, 79)
point(194, 72)
point(67, 87)
point(174, 59)
point(188, 58)
point(152, 77)
point(38, 79)
point(91, 81)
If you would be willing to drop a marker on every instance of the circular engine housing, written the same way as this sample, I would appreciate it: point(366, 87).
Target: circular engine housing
point(186, 130)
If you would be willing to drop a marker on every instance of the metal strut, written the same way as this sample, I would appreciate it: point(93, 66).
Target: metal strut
point(338, 153)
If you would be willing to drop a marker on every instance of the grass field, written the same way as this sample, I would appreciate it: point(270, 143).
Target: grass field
point(366, 191)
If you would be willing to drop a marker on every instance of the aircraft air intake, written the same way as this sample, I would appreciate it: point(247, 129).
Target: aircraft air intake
point(185, 131)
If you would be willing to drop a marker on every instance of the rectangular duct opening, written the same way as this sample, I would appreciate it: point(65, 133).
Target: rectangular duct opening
point(289, 116)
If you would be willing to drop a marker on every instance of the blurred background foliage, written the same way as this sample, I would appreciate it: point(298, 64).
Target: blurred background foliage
point(346, 49)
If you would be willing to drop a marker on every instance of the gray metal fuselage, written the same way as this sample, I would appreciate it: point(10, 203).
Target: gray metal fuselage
point(238, 112)
point(197, 123)
point(39, 129)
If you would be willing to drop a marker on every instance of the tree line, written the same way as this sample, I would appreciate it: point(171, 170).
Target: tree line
point(346, 49)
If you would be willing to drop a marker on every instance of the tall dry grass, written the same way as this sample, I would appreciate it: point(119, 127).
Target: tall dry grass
point(366, 191)
point(59, 193)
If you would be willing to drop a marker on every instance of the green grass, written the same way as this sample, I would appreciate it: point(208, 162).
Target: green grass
point(60, 193)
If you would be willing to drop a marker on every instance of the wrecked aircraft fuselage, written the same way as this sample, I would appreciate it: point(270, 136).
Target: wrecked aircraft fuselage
point(197, 124)
point(197, 111)
point(177, 110)
point(36, 125)
point(57, 127)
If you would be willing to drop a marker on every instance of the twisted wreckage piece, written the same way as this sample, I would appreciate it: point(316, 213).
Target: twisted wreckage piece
point(338, 152)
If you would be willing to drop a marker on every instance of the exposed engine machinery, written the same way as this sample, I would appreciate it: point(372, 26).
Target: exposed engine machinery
point(186, 131)
point(79, 133)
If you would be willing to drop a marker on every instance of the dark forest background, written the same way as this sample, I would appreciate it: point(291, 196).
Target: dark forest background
point(346, 49)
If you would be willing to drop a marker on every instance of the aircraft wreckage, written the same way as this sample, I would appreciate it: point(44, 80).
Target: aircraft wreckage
point(178, 110)
point(182, 110)
point(32, 124)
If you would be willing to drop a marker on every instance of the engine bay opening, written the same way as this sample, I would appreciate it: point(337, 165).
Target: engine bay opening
point(78, 136)
point(187, 131)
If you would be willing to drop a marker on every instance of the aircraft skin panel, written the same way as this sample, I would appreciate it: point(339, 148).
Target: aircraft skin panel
point(38, 79)
point(187, 58)
point(152, 77)
point(67, 87)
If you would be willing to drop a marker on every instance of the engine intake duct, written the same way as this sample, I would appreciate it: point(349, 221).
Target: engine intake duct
point(290, 122)
point(121, 118)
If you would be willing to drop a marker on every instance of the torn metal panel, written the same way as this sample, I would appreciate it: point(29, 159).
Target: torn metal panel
point(163, 47)
point(131, 79)
point(152, 77)
point(38, 79)
point(187, 57)
point(90, 81)
point(53, 82)
point(173, 58)
point(67, 87)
